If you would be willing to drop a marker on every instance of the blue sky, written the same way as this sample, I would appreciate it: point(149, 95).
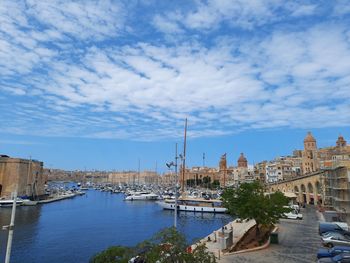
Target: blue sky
point(100, 84)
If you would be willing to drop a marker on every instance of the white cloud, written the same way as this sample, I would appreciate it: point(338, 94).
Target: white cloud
point(341, 7)
point(210, 15)
point(82, 20)
point(166, 25)
point(75, 79)
point(304, 10)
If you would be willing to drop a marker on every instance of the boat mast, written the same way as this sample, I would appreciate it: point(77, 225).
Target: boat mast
point(156, 173)
point(138, 180)
point(175, 209)
point(29, 186)
point(184, 160)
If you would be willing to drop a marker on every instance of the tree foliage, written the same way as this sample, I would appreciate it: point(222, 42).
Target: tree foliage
point(249, 201)
point(113, 254)
point(166, 246)
point(204, 182)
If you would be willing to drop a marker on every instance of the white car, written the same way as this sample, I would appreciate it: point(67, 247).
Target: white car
point(293, 215)
point(331, 239)
point(343, 225)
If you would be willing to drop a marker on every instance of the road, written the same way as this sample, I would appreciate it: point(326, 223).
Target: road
point(298, 242)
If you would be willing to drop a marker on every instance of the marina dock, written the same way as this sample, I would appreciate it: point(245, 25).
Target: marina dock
point(57, 198)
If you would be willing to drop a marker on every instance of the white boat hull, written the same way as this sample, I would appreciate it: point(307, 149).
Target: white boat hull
point(141, 197)
point(192, 208)
point(9, 203)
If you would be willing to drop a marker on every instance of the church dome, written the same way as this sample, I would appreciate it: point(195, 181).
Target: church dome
point(341, 141)
point(309, 138)
point(242, 161)
point(242, 158)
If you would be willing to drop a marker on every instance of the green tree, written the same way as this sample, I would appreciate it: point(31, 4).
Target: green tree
point(199, 182)
point(206, 181)
point(201, 255)
point(167, 246)
point(249, 201)
point(216, 184)
point(190, 182)
point(113, 254)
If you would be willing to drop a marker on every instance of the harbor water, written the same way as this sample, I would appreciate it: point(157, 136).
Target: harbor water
point(73, 230)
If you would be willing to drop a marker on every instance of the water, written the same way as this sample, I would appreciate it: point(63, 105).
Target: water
point(73, 230)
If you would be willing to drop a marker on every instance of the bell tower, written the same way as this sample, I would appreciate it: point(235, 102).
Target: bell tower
point(309, 155)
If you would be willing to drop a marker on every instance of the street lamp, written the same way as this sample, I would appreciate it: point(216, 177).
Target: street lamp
point(169, 165)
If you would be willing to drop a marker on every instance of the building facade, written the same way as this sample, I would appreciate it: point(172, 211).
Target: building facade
point(223, 175)
point(310, 161)
point(21, 175)
point(282, 168)
point(337, 188)
point(133, 177)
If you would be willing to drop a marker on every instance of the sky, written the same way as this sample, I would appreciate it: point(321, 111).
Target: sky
point(103, 84)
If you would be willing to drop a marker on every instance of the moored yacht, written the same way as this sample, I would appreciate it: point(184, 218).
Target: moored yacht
point(194, 205)
point(141, 196)
point(9, 202)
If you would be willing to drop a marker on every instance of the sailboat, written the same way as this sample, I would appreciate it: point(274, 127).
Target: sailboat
point(187, 203)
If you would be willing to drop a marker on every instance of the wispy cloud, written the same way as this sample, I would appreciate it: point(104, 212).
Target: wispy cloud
point(18, 142)
point(82, 69)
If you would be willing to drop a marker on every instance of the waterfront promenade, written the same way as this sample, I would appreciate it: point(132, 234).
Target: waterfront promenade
point(298, 242)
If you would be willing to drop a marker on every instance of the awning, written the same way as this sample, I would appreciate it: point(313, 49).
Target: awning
point(290, 195)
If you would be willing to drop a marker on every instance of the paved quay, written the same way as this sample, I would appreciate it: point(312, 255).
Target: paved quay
point(212, 241)
point(298, 242)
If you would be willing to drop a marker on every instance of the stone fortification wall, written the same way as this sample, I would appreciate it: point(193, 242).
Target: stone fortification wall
point(24, 175)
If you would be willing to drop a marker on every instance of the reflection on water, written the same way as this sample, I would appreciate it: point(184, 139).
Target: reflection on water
point(25, 226)
point(73, 230)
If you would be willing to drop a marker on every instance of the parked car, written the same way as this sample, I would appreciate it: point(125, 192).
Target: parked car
point(294, 214)
point(327, 253)
point(343, 225)
point(331, 227)
point(341, 258)
point(331, 239)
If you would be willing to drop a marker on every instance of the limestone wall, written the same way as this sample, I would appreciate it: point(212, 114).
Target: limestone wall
point(24, 175)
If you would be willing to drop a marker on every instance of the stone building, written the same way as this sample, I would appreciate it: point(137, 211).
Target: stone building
point(242, 161)
point(197, 175)
point(168, 179)
point(283, 168)
point(314, 159)
point(242, 173)
point(224, 175)
point(330, 155)
point(260, 171)
point(273, 172)
point(340, 143)
point(337, 188)
point(62, 175)
point(309, 155)
point(296, 163)
point(133, 177)
point(25, 176)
